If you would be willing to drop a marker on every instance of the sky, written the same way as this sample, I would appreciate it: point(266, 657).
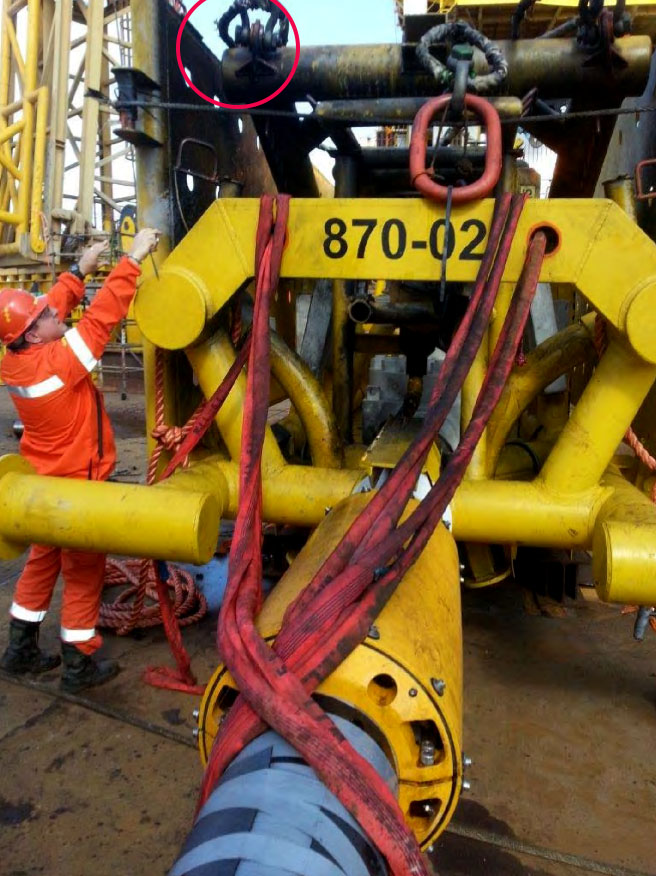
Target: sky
point(318, 21)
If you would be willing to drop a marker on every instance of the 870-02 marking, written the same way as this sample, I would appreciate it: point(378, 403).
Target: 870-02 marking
point(394, 239)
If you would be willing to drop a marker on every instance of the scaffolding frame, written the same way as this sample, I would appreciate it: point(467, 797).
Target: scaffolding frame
point(57, 151)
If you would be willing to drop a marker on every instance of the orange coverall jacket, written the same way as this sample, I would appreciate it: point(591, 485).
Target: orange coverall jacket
point(67, 431)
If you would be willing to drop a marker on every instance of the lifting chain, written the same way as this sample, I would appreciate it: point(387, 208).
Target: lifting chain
point(260, 39)
point(461, 32)
point(598, 27)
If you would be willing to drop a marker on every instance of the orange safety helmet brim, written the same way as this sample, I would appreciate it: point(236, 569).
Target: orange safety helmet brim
point(18, 310)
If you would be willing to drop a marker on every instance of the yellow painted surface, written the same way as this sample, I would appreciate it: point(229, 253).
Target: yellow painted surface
point(624, 546)
point(602, 253)
point(110, 517)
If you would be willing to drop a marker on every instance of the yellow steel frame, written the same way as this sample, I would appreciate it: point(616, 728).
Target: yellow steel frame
point(574, 502)
point(607, 257)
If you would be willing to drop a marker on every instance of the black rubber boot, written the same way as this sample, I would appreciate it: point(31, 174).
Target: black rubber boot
point(81, 671)
point(23, 653)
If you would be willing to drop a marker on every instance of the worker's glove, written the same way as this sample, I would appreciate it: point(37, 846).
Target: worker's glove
point(145, 242)
point(90, 258)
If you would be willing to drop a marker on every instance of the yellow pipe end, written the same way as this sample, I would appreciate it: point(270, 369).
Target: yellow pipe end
point(641, 323)
point(12, 462)
point(623, 556)
point(171, 310)
point(173, 522)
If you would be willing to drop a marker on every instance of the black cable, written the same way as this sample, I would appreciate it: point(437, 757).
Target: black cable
point(527, 449)
point(518, 16)
point(290, 114)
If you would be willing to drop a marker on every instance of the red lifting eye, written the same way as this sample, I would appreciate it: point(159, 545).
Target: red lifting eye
point(420, 176)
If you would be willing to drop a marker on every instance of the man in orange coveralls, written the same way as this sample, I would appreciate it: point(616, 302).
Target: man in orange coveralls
point(47, 370)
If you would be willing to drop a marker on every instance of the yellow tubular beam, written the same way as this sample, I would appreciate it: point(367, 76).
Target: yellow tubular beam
point(613, 518)
point(624, 545)
point(8, 164)
point(11, 131)
point(599, 421)
point(512, 512)
point(29, 85)
point(13, 42)
point(556, 356)
point(111, 517)
point(5, 67)
point(36, 241)
point(296, 495)
point(310, 402)
point(137, 521)
point(211, 361)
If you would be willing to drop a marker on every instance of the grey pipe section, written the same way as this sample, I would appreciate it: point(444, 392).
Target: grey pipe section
point(334, 72)
point(399, 158)
point(381, 311)
point(270, 815)
point(396, 110)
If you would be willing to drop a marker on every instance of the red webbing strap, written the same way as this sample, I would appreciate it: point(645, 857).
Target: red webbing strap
point(334, 613)
point(274, 692)
point(182, 678)
point(204, 416)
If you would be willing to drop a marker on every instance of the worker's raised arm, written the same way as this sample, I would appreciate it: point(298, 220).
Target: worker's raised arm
point(69, 288)
point(83, 345)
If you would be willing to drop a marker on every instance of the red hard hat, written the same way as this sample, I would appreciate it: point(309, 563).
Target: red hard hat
point(18, 310)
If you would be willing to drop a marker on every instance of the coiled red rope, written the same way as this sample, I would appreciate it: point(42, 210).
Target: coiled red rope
point(335, 611)
point(189, 604)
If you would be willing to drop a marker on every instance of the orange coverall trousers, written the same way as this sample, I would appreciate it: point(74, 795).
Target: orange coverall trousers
point(83, 584)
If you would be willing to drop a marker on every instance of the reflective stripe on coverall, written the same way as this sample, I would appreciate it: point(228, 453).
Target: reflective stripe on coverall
point(67, 433)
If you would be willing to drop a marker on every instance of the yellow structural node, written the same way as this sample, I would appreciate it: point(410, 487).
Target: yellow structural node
point(575, 502)
point(404, 683)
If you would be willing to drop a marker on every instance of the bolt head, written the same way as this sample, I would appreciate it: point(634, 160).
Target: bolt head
point(439, 686)
point(466, 761)
point(195, 714)
point(427, 753)
point(374, 633)
point(466, 785)
point(412, 692)
point(195, 732)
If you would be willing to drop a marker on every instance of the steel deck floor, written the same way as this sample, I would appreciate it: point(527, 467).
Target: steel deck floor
point(559, 720)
